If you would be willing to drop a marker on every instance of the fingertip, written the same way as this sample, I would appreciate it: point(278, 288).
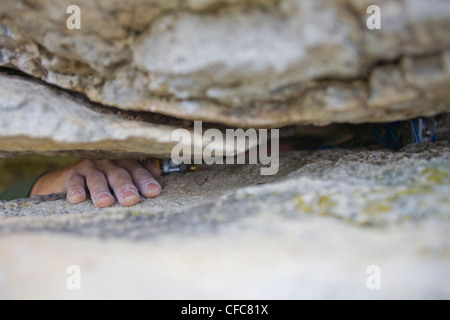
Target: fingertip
point(103, 203)
point(152, 190)
point(130, 202)
point(129, 198)
point(75, 197)
point(103, 200)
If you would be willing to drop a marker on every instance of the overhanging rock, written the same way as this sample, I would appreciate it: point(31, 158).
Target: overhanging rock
point(36, 118)
point(242, 63)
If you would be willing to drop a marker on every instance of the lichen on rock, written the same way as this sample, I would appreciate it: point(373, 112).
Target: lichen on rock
point(139, 69)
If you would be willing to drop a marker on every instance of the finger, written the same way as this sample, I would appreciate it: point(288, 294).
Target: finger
point(76, 188)
point(98, 187)
point(142, 178)
point(152, 168)
point(121, 182)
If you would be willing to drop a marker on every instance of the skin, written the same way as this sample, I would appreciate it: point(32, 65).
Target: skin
point(126, 178)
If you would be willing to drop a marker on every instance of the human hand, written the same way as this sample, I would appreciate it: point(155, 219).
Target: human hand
point(126, 178)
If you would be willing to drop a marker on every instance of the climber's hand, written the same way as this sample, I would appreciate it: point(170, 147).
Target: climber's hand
point(126, 178)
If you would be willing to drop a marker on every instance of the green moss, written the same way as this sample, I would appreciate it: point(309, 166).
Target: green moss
point(326, 201)
point(382, 207)
point(140, 213)
point(376, 207)
point(413, 190)
point(437, 175)
point(302, 205)
point(325, 204)
point(16, 169)
point(321, 207)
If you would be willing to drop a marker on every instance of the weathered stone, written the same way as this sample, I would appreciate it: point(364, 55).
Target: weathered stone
point(242, 63)
point(37, 118)
point(226, 232)
point(143, 68)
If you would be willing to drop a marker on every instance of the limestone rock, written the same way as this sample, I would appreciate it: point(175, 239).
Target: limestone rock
point(36, 118)
point(243, 63)
point(227, 232)
point(139, 69)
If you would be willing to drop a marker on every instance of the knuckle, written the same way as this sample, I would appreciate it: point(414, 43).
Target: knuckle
point(140, 171)
point(119, 173)
point(127, 161)
point(73, 184)
point(103, 162)
point(87, 163)
point(72, 173)
point(134, 163)
point(95, 176)
point(129, 165)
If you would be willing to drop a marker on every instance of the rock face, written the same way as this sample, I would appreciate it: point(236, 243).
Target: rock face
point(137, 70)
point(40, 119)
point(227, 232)
point(243, 63)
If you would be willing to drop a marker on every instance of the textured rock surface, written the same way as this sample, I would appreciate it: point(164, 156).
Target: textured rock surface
point(244, 63)
point(139, 69)
point(227, 232)
point(37, 118)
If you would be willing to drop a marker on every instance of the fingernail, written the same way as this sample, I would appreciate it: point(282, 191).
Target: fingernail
point(103, 199)
point(129, 198)
point(102, 195)
point(153, 188)
point(129, 194)
point(75, 196)
point(75, 193)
